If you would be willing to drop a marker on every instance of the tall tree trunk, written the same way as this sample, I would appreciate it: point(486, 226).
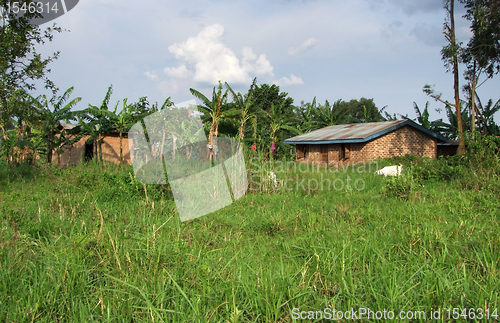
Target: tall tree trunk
point(162, 144)
point(242, 130)
point(216, 121)
point(4, 134)
point(271, 147)
point(210, 136)
point(5, 105)
point(473, 105)
point(216, 127)
point(99, 141)
point(69, 157)
point(121, 150)
point(49, 152)
point(96, 152)
point(456, 85)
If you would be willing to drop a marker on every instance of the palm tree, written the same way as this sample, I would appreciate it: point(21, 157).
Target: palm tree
point(8, 144)
point(98, 122)
point(49, 120)
point(423, 116)
point(244, 104)
point(487, 116)
point(450, 129)
point(307, 114)
point(333, 115)
point(278, 120)
point(212, 110)
point(139, 108)
point(122, 121)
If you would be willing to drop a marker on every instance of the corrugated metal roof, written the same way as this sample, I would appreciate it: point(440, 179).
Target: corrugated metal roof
point(357, 132)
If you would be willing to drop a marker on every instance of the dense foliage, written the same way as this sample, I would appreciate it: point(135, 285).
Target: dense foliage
point(90, 243)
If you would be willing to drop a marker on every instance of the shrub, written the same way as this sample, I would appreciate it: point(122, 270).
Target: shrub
point(484, 152)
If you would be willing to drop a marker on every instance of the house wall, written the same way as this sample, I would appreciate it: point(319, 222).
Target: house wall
point(76, 153)
point(405, 140)
point(110, 151)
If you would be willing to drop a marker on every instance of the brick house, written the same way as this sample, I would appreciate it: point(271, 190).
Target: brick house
point(81, 150)
point(363, 142)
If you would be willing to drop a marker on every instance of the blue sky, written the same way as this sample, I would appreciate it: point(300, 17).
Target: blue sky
point(337, 49)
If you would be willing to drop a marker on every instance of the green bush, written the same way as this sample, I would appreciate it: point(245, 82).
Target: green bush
point(484, 152)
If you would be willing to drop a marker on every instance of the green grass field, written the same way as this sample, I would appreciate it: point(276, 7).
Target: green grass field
point(91, 244)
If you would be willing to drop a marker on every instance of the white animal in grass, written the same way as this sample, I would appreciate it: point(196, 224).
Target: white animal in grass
point(272, 178)
point(273, 181)
point(390, 170)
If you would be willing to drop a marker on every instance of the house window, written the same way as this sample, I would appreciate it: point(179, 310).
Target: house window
point(324, 154)
point(300, 151)
point(345, 151)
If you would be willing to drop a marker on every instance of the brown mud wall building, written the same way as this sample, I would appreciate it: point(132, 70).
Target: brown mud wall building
point(402, 141)
point(81, 151)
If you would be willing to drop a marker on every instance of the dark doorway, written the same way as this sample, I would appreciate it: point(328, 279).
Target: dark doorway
point(324, 154)
point(345, 151)
point(89, 151)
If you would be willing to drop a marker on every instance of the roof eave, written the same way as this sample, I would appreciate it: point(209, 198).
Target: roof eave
point(325, 142)
point(426, 131)
point(371, 137)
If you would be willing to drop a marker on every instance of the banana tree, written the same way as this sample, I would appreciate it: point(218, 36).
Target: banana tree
point(487, 114)
point(97, 122)
point(244, 104)
point(212, 109)
point(122, 121)
point(450, 129)
point(334, 114)
point(49, 121)
point(423, 116)
point(8, 144)
point(278, 121)
point(307, 114)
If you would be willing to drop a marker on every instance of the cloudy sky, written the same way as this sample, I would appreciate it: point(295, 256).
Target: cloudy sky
point(329, 49)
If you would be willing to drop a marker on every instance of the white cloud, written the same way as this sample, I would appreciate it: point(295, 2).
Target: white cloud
point(393, 30)
point(177, 72)
point(302, 47)
point(256, 65)
point(409, 7)
point(211, 60)
point(293, 80)
point(167, 88)
point(427, 34)
point(152, 76)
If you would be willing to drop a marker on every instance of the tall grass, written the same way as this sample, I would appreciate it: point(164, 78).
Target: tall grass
point(91, 244)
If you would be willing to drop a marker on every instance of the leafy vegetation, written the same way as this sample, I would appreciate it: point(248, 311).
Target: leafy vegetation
point(91, 243)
